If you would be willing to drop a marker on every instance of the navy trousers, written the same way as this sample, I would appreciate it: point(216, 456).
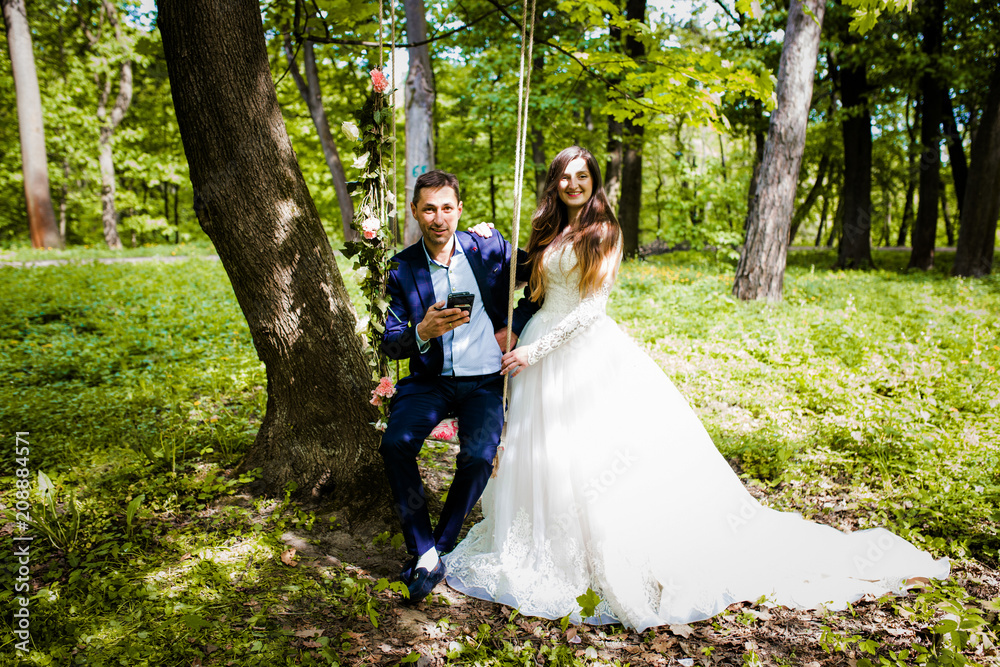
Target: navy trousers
point(478, 404)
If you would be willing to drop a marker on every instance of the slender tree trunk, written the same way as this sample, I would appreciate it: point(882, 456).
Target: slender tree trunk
point(312, 95)
point(925, 226)
point(838, 216)
point(822, 220)
point(814, 191)
point(420, 96)
point(493, 184)
point(539, 160)
point(177, 221)
point(761, 270)
point(109, 123)
point(613, 170)
point(956, 153)
point(948, 230)
point(759, 141)
point(254, 205)
point(855, 248)
point(34, 162)
point(64, 199)
point(978, 227)
point(912, 173)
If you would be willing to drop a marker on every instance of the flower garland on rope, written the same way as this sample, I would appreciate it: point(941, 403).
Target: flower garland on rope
point(374, 220)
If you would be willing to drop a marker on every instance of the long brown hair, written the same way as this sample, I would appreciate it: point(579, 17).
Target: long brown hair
point(596, 234)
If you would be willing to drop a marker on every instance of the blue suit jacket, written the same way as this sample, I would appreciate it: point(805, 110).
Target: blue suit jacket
point(411, 292)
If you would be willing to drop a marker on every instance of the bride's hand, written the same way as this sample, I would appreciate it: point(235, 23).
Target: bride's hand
point(514, 361)
point(484, 229)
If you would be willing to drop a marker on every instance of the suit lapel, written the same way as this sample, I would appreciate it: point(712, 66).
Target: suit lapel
point(475, 260)
point(422, 278)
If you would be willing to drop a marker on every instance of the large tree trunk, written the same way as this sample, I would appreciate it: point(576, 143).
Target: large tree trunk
point(109, 123)
point(956, 152)
point(312, 95)
point(34, 162)
point(978, 227)
point(925, 226)
point(253, 203)
point(420, 94)
point(855, 248)
point(761, 270)
point(632, 141)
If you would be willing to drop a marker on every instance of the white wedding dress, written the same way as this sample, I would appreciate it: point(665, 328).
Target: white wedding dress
point(608, 481)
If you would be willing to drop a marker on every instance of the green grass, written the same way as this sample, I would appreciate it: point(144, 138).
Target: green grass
point(877, 392)
point(25, 253)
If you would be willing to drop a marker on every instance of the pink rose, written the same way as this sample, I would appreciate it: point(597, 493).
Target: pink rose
point(385, 388)
point(376, 400)
point(370, 228)
point(446, 430)
point(379, 82)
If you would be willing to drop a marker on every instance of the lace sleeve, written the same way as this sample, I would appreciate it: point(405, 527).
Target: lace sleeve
point(589, 310)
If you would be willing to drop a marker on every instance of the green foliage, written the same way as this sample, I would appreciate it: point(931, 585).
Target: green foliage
point(858, 378)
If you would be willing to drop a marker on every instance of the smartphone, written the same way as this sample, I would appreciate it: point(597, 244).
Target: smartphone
point(463, 300)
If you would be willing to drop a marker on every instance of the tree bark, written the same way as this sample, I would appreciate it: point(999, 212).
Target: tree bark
point(855, 248)
point(978, 226)
point(632, 142)
point(925, 226)
point(312, 95)
point(956, 153)
point(34, 161)
point(761, 270)
point(252, 201)
point(420, 95)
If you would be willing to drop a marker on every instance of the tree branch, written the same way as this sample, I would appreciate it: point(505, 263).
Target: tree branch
point(404, 45)
point(589, 70)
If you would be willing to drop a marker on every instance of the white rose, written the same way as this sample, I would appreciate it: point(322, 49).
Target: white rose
point(361, 161)
point(351, 130)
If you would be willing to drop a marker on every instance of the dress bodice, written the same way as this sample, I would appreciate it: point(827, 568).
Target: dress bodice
point(562, 281)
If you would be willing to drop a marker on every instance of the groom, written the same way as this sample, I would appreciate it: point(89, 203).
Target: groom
point(454, 367)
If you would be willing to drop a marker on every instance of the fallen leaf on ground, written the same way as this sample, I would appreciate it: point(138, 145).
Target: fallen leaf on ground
point(682, 630)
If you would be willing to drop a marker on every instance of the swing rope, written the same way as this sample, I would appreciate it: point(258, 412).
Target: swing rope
point(523, 94)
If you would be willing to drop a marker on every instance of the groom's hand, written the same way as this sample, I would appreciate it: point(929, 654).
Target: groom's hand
point(502, 339)
point(439, 320)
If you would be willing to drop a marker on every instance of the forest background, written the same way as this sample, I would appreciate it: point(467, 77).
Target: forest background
point(675, 101)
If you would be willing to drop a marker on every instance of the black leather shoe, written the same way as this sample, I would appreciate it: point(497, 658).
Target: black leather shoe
point(424, 582)
point(406, 574)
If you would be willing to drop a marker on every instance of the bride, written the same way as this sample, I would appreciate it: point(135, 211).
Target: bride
point(608, 480)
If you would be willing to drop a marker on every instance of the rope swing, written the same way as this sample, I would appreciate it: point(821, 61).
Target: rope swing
point(523, 94)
